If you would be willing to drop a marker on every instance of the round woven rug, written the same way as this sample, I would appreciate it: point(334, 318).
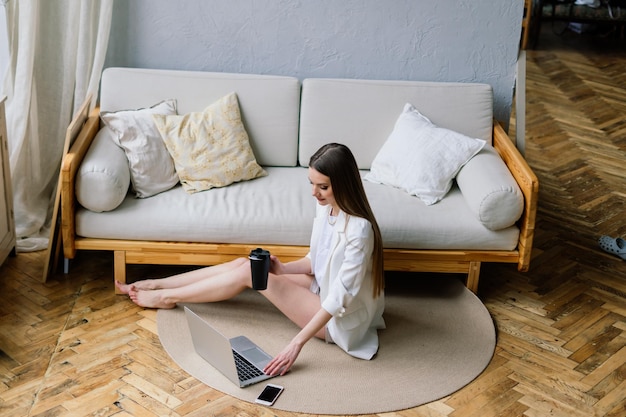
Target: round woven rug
point(439, 338)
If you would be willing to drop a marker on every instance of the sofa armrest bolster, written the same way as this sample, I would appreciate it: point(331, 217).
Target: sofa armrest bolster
point(490, 190)
point(103, 179)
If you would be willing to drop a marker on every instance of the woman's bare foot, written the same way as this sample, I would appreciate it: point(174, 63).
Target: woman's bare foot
point(123, 288)
point(149, 299)
point(145, 284)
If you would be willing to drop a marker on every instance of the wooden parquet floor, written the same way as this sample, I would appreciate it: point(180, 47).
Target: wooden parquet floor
point(70, 347)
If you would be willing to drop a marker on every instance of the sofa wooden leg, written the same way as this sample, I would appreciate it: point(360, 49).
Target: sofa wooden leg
point(119, 267)
point(472, 277)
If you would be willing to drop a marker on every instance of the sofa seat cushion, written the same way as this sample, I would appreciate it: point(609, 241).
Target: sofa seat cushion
point(279, 209)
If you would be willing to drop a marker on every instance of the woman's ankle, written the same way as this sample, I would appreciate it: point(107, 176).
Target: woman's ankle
point(146, 285)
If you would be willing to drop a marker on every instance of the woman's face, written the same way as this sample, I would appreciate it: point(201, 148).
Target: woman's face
point(321, 189)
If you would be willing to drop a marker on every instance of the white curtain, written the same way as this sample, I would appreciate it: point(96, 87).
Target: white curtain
point(56, 52)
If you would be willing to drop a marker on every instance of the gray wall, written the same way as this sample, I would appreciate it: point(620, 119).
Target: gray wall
point(434, 40)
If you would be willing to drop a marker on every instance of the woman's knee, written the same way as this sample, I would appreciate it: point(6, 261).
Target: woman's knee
point(242, 271)
point(239, 262)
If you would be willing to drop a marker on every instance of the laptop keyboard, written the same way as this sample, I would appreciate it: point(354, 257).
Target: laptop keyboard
point(245, 369)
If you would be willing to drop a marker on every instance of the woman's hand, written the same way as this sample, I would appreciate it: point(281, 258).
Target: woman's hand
point(283, 362)
point(276, 266)
point(301, 266)
point(285, 359)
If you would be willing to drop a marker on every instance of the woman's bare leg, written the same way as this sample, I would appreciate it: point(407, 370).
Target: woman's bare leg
point(181, 280)
point(216, 287)
point(292, 296)
point(289, 293)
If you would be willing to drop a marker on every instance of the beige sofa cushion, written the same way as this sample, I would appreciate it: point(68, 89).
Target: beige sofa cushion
point(361, 113)
point(270, 105)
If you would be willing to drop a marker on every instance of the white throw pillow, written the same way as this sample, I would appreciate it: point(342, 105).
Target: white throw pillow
point(151, 166)
point(210, 148)
point(422, 158)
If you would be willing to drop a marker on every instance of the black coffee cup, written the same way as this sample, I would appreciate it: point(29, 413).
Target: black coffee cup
point(260, 267)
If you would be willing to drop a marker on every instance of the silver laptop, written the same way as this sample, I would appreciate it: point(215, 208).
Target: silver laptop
point(239, 359)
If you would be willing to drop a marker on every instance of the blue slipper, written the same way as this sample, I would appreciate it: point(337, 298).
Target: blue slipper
point(614, 246)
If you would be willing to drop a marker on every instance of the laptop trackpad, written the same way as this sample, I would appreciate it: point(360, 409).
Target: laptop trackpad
point(247, 348)
point(255, 355)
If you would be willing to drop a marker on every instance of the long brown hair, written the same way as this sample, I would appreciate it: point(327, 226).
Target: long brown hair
point(337, 162)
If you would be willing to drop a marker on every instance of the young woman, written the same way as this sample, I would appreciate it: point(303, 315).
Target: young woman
point(335, 293)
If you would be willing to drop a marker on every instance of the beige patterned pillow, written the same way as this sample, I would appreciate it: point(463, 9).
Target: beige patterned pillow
point(209, 148)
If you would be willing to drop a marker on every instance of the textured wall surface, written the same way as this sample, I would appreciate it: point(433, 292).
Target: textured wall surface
point(439, 40)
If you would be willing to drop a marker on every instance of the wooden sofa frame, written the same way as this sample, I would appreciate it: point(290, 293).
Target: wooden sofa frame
point(180, 253)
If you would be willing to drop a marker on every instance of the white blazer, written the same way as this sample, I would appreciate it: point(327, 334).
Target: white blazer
point(346, 286)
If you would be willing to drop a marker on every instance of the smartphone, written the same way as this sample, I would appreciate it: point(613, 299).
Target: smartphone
point(269, 394)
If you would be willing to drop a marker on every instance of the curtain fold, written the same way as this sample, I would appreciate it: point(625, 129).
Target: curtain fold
point(57, 51)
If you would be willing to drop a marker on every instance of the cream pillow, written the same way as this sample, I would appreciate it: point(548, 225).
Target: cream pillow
point(210, 148)
point(151, 166)
point(490, 190)
point(103, 179)
point(422, 158)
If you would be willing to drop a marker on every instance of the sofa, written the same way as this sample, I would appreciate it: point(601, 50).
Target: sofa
point(446, 213)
